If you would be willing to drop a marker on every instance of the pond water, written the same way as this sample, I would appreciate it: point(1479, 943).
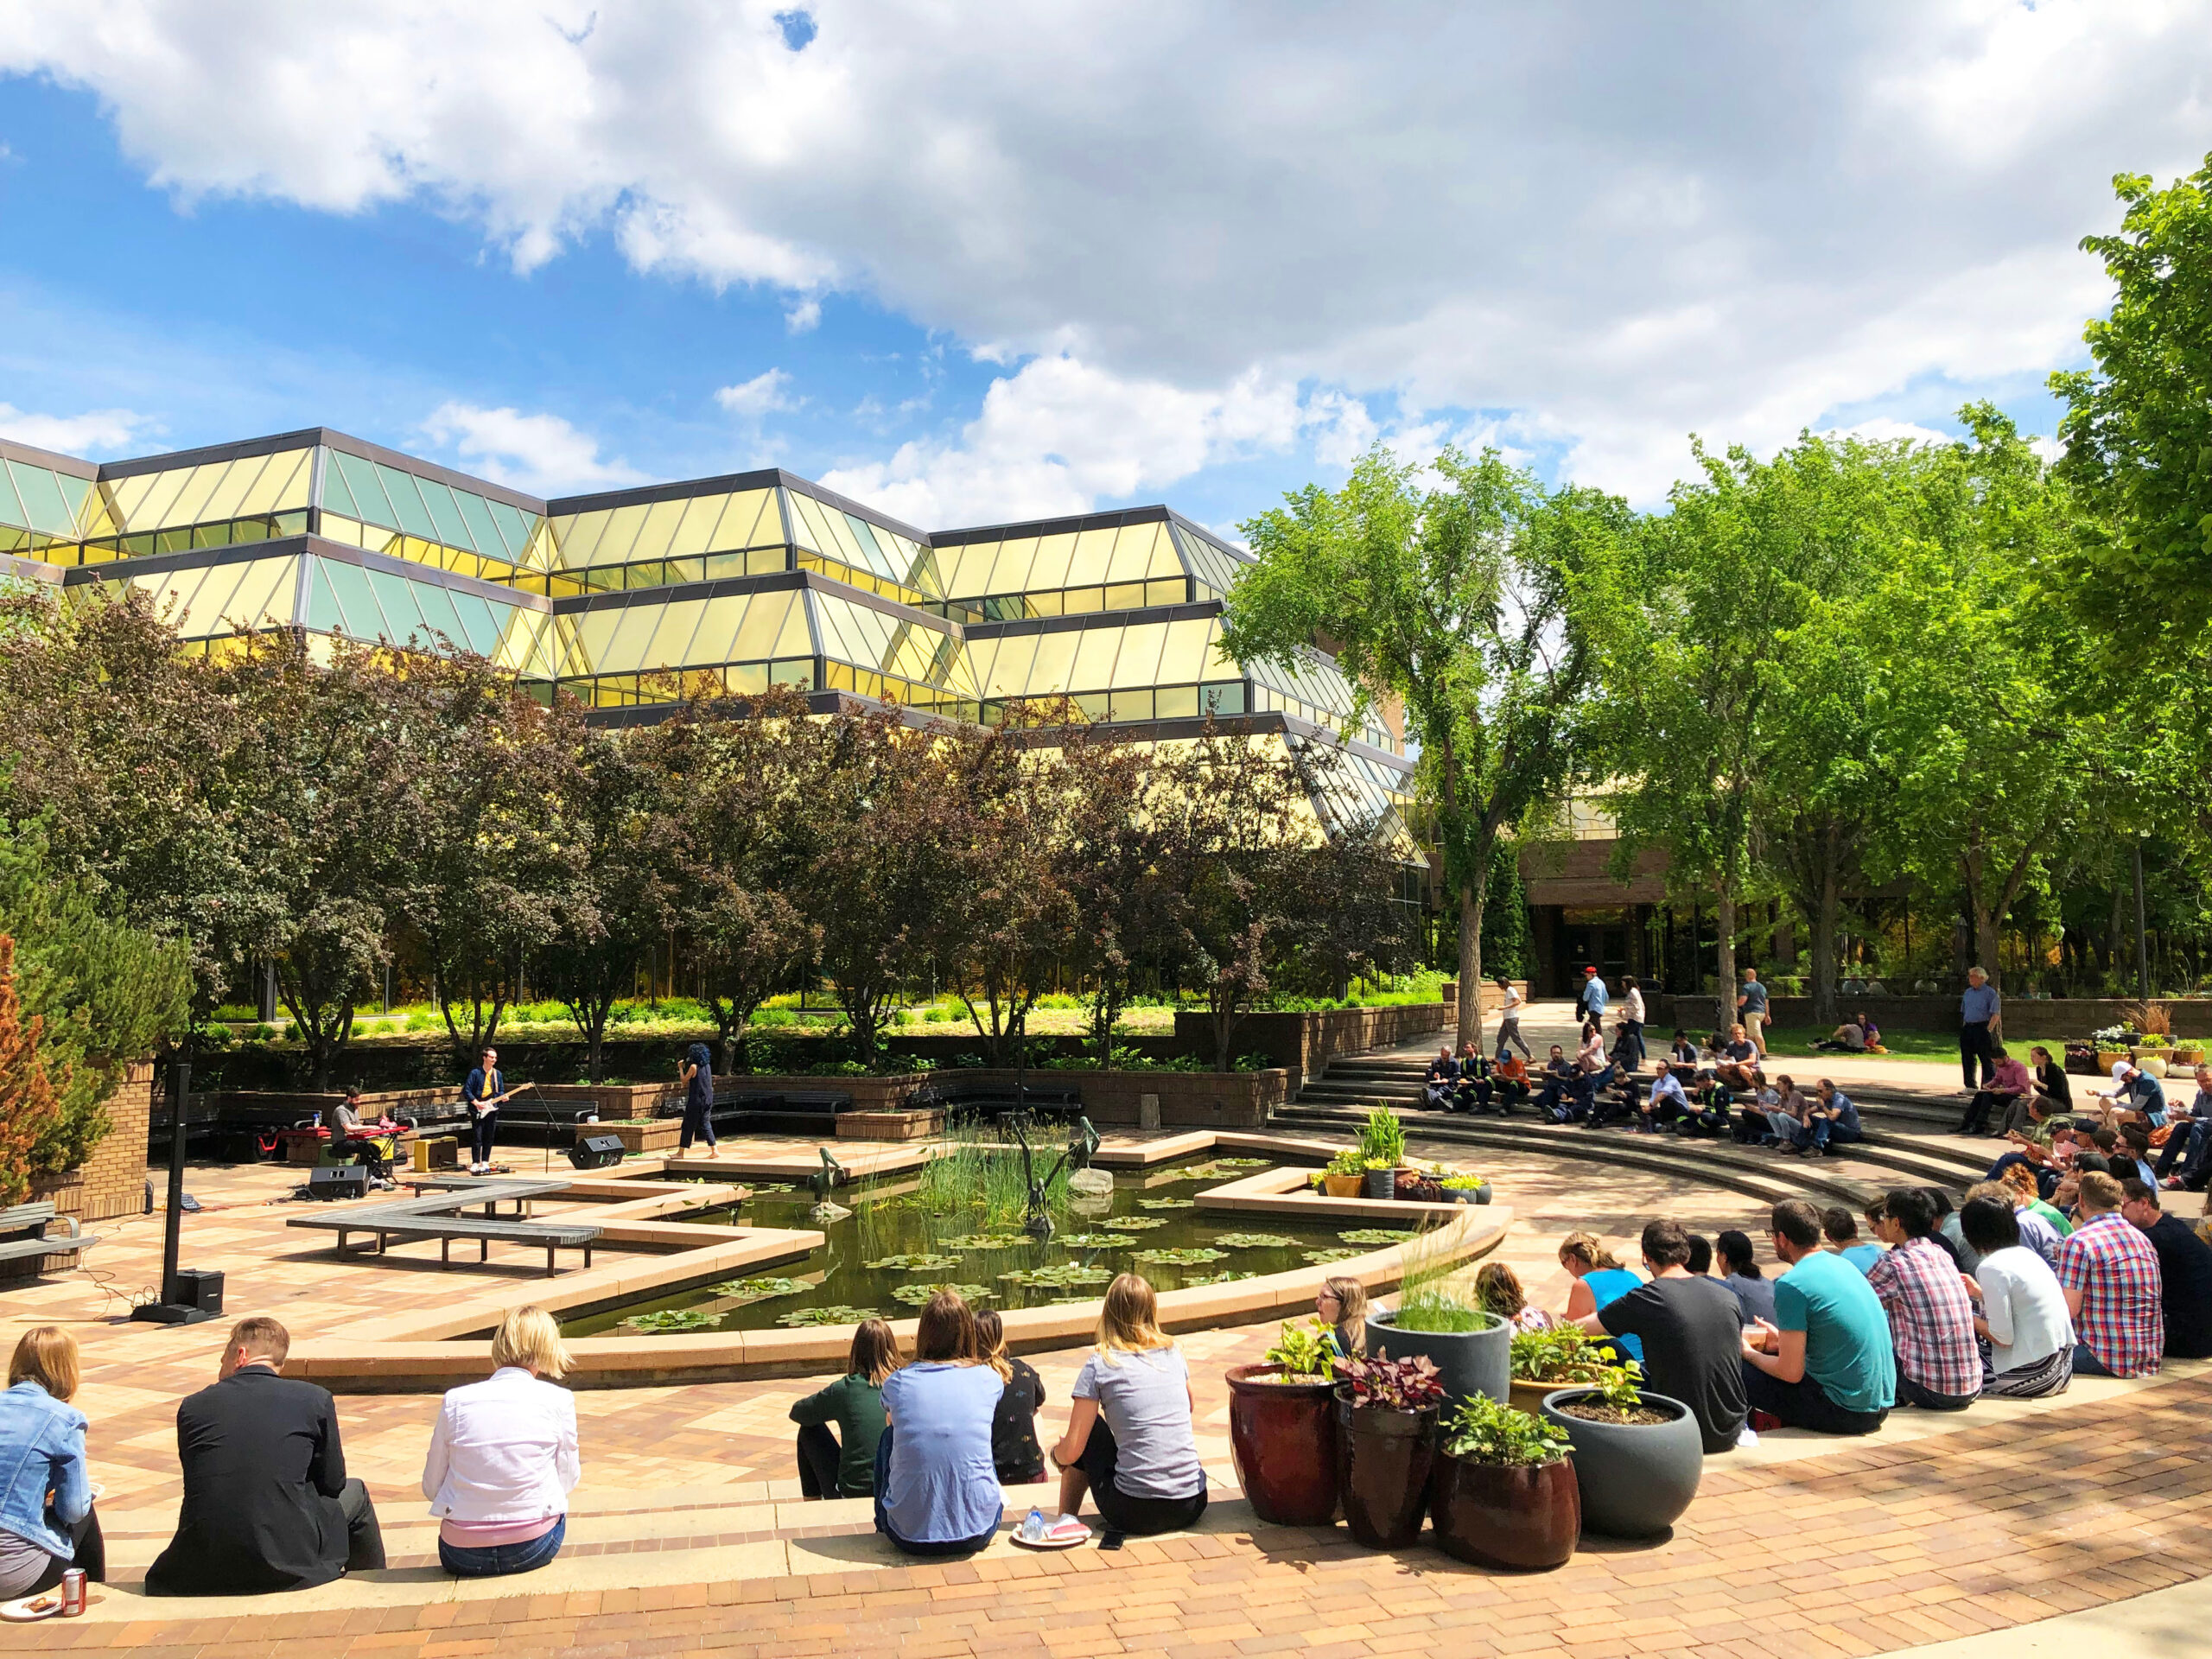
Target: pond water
point(899, 1242)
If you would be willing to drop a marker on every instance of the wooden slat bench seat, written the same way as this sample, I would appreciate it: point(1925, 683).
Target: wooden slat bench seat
point(22, 1233)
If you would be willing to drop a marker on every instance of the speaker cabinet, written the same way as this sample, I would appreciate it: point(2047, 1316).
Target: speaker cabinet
point(198, 1288)
point(339, 1181)
point(596, 1151)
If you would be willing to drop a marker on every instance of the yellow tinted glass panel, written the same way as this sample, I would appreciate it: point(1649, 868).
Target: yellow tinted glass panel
point(125, 496)
point(1008, 675)
point(152, 510)
point(251, 605)
point(229, 490)
point(625, 652)
point(1094, 659)
point(1132, 557)
point(1185, 657)
point(171, 594)
point(695, 532)
point(717, 637)
point(620, 536)
point(963, 570)
point(1055, 657)
point(1094, 549)
point(1139, 659)
point(751, 520)
point(658, 530)
point(594, 632)
point(806, 524)
point(1050, 567)
point(768, 622)
point(1009, 574)
point(795, 640)
point(1219, 664)
point(577, 535)
point(671, 640)
point(191, 503)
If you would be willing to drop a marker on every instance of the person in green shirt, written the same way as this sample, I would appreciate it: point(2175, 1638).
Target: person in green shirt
point(840, 1462)
point(1826, 1362)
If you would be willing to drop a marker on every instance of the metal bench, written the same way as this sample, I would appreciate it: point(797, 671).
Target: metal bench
point(422, 1218)
point(22, 1233)
point(780, 1111)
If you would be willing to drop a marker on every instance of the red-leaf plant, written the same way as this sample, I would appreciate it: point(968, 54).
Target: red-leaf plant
point(1393, 1384)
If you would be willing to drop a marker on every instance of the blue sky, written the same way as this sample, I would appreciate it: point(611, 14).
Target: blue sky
point(1066, 258)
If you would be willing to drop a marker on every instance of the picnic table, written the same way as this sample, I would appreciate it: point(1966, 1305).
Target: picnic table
point(434, 1213)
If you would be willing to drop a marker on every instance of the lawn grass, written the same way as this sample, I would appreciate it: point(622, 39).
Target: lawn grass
point(1796, 1041)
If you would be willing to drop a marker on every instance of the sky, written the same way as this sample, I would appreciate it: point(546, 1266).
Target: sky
point(1010, 261)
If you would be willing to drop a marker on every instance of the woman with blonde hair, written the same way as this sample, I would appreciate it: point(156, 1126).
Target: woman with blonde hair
point(1341, 1304)
point(840, 1461)
point(503, 1457)
point(1498, 1288)
point(1598, 1278)
point(1014, 1450)
point(1129, 1441)
point(43, 1453)
point(937, 1490)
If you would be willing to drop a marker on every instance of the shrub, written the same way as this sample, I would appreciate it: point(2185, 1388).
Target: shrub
point(1483, 1431)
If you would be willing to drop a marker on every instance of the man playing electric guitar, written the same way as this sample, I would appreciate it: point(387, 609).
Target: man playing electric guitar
point(484, 1093)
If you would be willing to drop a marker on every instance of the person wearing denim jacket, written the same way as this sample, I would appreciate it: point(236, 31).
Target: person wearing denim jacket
point(46, 1522)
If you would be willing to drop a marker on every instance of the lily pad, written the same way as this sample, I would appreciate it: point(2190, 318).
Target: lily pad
point(1334, 1253)
point(1379, 1236)
point(1254, 1241)
point(1059, 1276)
point(666, 1319)
point(1179, 1258)
point(1133, 1224)
point(836, 1314)
point(1222, 1278)
point(758, 1290)
point(1214, 1168)
point(915, 1262)
point(1092, 1241)
point(987, 1241)
point(1165, 1203)
point(915, 1295)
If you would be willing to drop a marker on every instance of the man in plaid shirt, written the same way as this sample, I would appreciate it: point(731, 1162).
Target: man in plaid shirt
point(2110, 1275)
point(1931, 1321)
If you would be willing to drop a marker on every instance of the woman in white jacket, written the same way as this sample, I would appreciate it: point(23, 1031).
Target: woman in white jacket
point(503, 1457)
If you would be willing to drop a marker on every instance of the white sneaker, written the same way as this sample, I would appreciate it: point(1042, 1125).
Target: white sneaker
point(1747, 1436)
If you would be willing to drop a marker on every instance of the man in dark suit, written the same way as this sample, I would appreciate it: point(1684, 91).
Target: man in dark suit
point(267, 1505)
point(1442, 1079)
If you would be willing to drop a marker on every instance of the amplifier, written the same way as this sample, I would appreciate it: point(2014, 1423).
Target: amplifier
point(339, 1181)
point(197, 1288)
point(596, 1151)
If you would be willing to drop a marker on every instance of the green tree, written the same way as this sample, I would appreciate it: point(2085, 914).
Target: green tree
point(2137, 427)
point(1460, 600)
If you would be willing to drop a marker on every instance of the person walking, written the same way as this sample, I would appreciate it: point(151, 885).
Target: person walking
point(1589, 1004)
point(1632, 1018)
point(1508, 1020)
point(1751, 1008)
point(1978, 1012)
point(697, 1073)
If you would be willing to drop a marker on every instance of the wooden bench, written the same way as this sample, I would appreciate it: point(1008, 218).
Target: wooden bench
point(22, 1233)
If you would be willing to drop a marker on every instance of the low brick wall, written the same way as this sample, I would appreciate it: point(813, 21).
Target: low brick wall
point(612, 1100)
point(1208, 1100)
point(1304, 1043)
point(112, 1181)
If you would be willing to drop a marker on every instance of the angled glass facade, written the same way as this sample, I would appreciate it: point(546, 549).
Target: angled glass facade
point(636, 599)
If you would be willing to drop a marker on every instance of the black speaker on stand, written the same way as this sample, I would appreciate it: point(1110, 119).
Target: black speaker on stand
point(181, 1304)
point(596, 1151)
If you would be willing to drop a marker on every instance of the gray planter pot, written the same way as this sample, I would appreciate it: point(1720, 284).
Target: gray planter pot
point(1382, 1183)
point(1636, 1479)
point(1471, 1362)
point(1468, 1195)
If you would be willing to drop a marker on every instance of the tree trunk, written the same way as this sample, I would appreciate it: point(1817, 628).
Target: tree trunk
point(1724, 926)
point(1826, 907)
point(1470, 1012)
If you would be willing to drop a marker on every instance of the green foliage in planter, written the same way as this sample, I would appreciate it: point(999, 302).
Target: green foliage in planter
point(1383, 1138)
point(1254, 1241)
point(837, 1313)
point(1346, 1162)
point(1436, 1307)
point(666, 1319)
point(1303, 1350)
point(1057, 1277)
point(1165, 1203)
point(1483, 1431)
point(1461, 1183)
point(915, 1294)
point(1184, 1256)
point(760, 1290)
point(1378, 1235)
point(1567, 1354)
point(1393, 1384)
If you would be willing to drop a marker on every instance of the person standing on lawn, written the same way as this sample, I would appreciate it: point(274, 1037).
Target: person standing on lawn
point(1979, 1009)
point(1752, 1010)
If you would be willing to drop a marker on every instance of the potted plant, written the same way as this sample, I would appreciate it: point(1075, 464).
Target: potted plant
point(1382, 1152)
point(1543, 1362)
point(1503, 1493)
point(1346, 1174)
point(1434, 1320)
point(1465, 1189)
point(1282, 1430)
point(1637, 1456)
point(1386, 1442)
point(2155, 1020)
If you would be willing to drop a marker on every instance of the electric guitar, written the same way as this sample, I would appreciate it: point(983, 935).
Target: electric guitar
point(480, 1106)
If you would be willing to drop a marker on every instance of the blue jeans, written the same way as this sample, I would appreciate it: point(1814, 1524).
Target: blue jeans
point(498, 1560)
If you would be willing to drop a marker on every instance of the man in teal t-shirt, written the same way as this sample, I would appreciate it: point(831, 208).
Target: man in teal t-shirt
point(1826, 1363)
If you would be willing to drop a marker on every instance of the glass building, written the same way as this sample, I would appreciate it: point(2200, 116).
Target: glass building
point(634, 599)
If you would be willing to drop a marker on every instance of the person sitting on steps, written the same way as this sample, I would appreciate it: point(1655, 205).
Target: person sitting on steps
point(1442, 1077)
point(2009, 1086)
point(839, 1425)
point(1826, 1362)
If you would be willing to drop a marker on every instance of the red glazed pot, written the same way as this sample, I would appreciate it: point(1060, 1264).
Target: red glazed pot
point(1283, 1436)
point(1524, 1517)
point(1383, 1463)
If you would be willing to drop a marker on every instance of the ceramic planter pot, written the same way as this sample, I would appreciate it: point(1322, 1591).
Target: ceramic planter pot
point(1471, 1362)
point(1383, 1459)
point(1468, 1194)
point(1382, 1183)
point(1344, 1187)
point(1283, 1436)
point(1636, 1479)
point(1523, 1518)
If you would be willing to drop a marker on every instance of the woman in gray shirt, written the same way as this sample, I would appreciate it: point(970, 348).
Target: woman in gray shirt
point(1129, 1442)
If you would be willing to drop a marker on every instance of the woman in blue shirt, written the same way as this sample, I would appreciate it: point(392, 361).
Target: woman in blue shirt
point(697, 1074)
point(937, 1487)
point(47, 1522)
point(1598, 1278)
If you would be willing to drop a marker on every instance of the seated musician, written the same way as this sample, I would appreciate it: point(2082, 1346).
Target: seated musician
point(369, 1144)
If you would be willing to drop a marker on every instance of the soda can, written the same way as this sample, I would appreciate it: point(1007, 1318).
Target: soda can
point(73, 1592)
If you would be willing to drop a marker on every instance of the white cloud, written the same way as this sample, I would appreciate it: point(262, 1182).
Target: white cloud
point(803, 318)
point(1611, 226)
point(542, 454)
point(762, 395)
point(96, 433)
